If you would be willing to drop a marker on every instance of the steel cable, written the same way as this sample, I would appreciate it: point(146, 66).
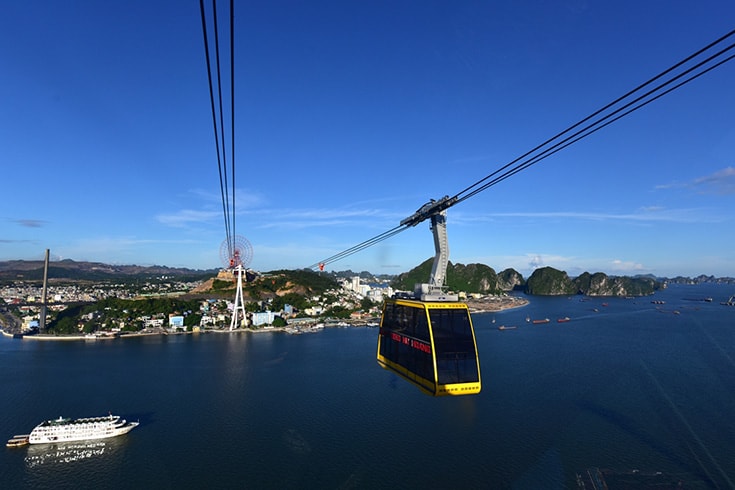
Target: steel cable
point(527, 160)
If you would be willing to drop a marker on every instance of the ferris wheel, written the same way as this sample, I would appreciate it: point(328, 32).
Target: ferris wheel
point(239, 253)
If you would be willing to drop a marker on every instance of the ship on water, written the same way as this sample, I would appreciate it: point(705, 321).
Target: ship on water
point(68, 430)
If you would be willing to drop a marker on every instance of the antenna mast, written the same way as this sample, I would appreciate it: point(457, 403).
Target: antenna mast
point(44, 295)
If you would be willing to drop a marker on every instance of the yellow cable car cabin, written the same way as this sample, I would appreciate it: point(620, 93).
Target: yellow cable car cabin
point(430, 344)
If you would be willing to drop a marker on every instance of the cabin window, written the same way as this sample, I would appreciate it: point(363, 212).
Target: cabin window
point(454, 345)
point(411, 325)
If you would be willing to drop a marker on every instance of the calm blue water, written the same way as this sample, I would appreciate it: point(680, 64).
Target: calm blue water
point(632, 385)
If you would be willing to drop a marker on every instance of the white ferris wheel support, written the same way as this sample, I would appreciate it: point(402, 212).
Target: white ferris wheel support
point(239, 305)
point(236, 256)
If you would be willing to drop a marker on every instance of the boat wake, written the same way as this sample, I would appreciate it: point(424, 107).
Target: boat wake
point(63, 453)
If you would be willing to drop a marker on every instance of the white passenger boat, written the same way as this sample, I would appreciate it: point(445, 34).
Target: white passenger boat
point(64, 430)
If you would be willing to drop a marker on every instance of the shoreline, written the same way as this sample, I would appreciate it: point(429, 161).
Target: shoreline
point(105, 337)
point(496, 304)
point(475, 306)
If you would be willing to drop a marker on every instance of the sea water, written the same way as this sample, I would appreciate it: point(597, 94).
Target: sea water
point(625, 385)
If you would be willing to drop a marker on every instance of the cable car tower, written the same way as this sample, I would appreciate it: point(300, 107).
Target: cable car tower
point(436, 212)
point(236, 257)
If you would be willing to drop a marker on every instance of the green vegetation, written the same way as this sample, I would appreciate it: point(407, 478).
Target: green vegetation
point(296, 300)
point(294, 286)
point(313, 282)
point(366, 303)
point(126, 312)
point(472, 278)
point(549, 281)
point(337, 312)
point(220, 285)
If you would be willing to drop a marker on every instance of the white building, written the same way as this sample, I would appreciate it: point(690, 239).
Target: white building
point(263, 318)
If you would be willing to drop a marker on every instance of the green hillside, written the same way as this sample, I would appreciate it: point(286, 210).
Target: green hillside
point(471, 278)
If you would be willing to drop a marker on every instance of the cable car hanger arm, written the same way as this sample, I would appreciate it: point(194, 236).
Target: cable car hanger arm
point(431, 208)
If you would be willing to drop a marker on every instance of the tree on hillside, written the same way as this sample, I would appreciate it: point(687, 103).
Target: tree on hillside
point(338, 312)
point(65, 325)
point(366, 303)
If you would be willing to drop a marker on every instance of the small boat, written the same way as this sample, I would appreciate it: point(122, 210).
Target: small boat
point(544, 320)
point(17, 441)
point(503, 327)
point(563, 320)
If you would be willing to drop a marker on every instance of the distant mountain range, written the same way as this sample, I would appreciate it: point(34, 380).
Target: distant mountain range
point(32, 270)
point(701, 280)
point(471, 278)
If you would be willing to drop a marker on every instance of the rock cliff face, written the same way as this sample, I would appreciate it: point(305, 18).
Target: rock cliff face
point(509, 280)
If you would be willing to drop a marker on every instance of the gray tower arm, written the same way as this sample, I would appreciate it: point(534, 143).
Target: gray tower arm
point(441, 248)
point(436, 211)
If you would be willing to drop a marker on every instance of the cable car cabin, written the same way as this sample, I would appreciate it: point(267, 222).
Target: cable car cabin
point(431, 344)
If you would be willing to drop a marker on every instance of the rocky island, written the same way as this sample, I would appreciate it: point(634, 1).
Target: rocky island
point(548, 281)
point(545, 281)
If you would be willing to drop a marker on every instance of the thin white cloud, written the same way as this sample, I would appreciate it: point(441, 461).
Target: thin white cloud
point(307, 218)
point(721, 182)
point(124, 242)
point(523, 263)
point(670, 185)
point(30, 223)
point(118, 250)
point(254, 209)
point(644, 214)
point(619, 266)
point(5, 240)
point(187, 217)
point(245, 198)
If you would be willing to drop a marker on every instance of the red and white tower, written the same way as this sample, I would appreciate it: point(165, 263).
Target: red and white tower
point(236, 256)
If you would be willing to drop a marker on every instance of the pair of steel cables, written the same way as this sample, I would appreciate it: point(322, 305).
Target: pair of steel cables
point(218, 115)
point(688, 69)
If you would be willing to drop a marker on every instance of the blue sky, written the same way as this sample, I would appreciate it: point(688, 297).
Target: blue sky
point(349, 117)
